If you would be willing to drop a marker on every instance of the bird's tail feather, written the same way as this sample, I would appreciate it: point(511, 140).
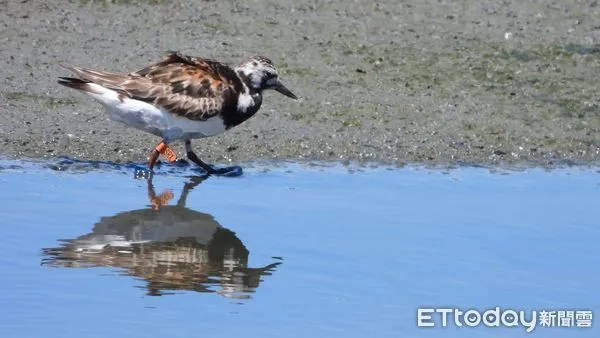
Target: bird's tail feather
point(78, 84)
point(105, 79)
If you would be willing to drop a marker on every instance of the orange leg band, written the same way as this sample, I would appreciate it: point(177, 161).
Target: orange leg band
point(163, 149)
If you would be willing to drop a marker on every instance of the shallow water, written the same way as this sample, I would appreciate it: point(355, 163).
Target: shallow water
point(290, 251)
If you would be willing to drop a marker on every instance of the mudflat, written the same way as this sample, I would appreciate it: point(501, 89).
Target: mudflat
point(429, 82)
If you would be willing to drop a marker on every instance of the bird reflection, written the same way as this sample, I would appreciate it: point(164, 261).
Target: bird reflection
point(171, 247)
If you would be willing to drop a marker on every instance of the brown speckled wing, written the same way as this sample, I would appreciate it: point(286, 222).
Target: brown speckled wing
point(195, 88)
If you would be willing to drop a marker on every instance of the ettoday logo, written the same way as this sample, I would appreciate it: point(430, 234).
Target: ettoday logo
point(497, 317)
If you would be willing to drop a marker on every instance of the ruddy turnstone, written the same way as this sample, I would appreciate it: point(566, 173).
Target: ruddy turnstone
point(181, 98)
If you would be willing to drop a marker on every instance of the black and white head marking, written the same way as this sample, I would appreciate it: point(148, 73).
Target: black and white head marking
point(258, 73)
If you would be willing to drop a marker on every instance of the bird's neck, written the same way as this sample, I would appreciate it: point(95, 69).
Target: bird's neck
point(248, 102)
point(250, 96)
point(248, 79)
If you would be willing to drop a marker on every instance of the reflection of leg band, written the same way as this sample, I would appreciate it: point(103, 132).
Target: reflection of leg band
point(161, 200)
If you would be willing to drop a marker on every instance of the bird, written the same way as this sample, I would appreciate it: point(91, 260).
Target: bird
point(181, 98)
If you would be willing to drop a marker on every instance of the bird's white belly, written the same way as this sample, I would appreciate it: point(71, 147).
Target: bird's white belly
point(154, 120)
point(157, 121)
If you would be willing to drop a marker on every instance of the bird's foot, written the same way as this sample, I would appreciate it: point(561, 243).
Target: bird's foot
point(144, 173)
point(233, 171)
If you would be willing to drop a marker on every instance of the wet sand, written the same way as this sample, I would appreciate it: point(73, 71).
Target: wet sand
point(397, 82)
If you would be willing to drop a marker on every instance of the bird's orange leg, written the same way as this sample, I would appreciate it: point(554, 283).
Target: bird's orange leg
point(153, 158)
point(161, 149)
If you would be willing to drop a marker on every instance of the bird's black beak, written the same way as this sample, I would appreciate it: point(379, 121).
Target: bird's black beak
point(283, 90)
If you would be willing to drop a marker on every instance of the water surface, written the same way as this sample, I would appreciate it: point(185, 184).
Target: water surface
point(290, 251)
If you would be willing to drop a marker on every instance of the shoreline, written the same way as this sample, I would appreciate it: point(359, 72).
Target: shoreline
point(67, 164)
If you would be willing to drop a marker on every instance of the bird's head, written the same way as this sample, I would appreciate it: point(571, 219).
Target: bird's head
point(259, 74)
